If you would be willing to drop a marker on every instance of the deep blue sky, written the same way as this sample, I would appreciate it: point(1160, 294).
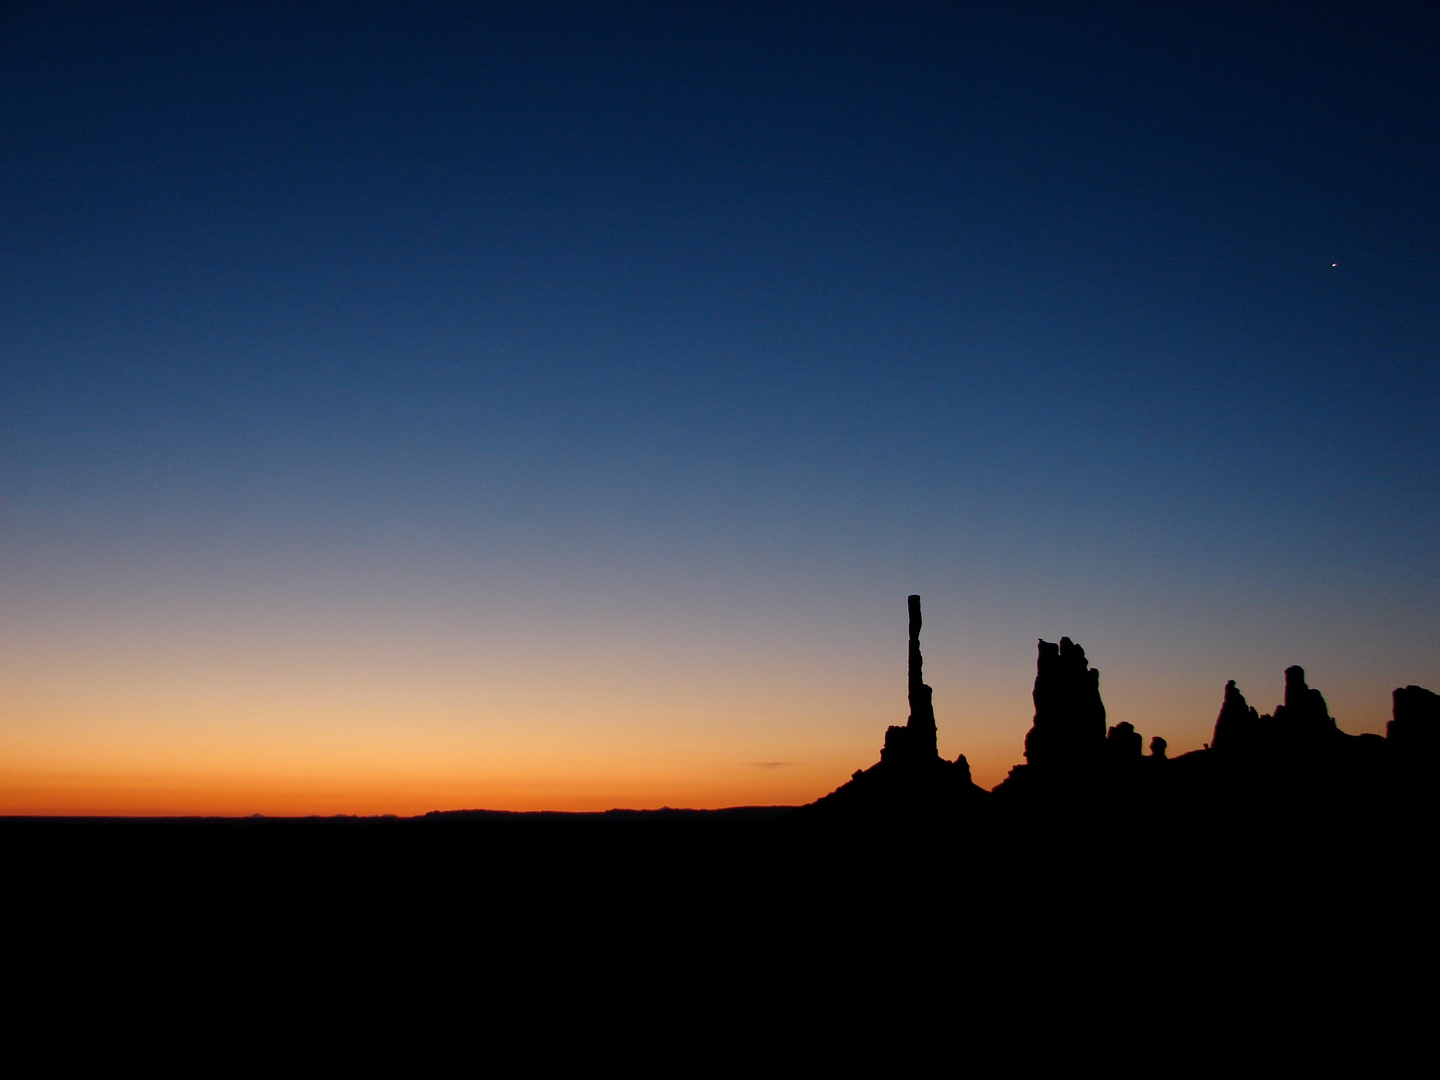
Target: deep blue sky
point(1119, 316)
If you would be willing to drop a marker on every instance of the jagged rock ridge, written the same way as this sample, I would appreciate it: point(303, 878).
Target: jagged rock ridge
point(1071, 753)
point(1301, 727)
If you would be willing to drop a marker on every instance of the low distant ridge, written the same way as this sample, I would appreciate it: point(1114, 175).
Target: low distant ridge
point(664, 813)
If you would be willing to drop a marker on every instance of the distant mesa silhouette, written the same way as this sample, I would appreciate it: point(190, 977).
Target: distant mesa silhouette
point(1070, 752)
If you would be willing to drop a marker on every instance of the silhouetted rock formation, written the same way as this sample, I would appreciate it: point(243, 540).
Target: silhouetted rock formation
point(1257, 764)
point(1414, 730)
point(1261, 766)
point(1300, 731)
point(1069, 725)
point(916, 740)
point(1304, 720)
point(911, 777)
point(1123, 744)
point(1069, 752)
point(1302, 725)
point(1238, 727)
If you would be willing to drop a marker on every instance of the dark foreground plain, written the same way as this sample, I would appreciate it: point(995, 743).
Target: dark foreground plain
point(1088, 935)
point(1316, 918)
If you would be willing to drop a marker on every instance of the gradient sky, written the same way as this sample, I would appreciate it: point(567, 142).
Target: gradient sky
point(411, 406)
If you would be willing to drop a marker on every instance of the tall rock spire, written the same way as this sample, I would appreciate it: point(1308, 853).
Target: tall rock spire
point(922, 712)
point(911, 776)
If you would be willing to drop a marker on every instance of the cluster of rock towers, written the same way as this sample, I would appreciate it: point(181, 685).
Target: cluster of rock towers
point(1069, 748)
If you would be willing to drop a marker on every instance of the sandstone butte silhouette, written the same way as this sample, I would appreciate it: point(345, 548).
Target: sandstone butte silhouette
point(1296, 753)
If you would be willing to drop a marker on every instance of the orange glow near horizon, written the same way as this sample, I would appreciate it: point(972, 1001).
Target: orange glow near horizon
point(217, 717)
point(301, 796)
point(520, 407)
point(406, 784)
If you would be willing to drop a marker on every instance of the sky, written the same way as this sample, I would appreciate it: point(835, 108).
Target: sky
point(545, 405)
